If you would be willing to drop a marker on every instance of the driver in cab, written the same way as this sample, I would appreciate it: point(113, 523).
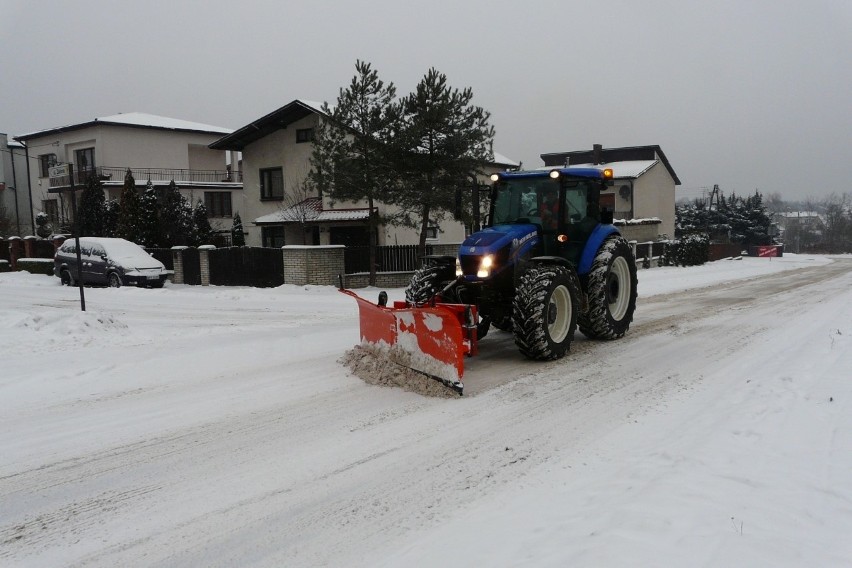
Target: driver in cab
point(549, 209)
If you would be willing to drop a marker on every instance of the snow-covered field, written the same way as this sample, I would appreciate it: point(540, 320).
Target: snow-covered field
point(214, 426)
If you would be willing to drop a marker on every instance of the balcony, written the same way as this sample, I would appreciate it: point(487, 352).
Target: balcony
point(113, 176)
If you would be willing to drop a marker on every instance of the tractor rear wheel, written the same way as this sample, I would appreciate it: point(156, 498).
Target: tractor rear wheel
point(545, 311)
point(611, 291)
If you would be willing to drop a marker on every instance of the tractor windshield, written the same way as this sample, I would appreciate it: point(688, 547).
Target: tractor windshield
point(536, 200)
point(520, 200)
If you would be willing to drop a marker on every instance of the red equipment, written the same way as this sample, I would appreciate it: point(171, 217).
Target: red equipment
point(432, 339)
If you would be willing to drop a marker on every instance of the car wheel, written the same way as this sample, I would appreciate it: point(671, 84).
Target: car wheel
point(65, 278)
point(114, 280)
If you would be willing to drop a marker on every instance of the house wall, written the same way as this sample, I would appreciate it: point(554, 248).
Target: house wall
point(654, 196)
point(15, 198)
point(278, 149)
point(136, 148)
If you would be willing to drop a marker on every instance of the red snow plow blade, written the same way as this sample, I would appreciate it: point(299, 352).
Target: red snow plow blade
point(432, 339)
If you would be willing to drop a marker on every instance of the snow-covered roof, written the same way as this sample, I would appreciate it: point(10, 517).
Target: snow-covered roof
point(504, 161)
point(154, 121)
point(136, 119)
point(311, 210)
point(628, 169)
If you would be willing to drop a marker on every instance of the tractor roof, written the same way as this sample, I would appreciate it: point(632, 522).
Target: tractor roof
point(592, 173)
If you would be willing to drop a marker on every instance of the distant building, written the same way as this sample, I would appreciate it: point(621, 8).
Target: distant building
point(16, 216)
point(153, 147)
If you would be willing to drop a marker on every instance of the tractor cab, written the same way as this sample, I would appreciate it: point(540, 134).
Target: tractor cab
point(562, 203)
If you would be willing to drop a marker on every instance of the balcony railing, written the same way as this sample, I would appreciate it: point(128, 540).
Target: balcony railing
point(153, 174)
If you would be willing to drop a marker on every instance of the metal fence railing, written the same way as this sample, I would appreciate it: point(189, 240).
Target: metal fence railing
point(107, 173)
point(389, 258)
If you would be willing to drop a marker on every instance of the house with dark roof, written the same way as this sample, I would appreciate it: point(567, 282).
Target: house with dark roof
point(154, 148)
point(276, 150)
point(642, 197)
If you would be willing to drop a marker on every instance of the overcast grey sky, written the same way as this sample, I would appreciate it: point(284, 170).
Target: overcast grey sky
point(745, 94)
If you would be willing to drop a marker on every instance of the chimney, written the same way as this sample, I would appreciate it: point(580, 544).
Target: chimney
point(597, 150)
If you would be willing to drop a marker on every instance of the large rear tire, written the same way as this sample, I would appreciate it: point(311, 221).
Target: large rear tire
point(611, 291)
point(545, 310)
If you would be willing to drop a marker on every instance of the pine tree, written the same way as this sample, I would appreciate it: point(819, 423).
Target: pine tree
point(445, 139)
point(149, 217)
point(203, 233)
point(130, 212)
point(90, 211)
point(352, 153)
point(175, 217)
point(238, 238)
point(112, 210)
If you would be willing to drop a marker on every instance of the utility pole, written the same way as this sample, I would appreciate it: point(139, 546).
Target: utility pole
point(77, 238)
point(61, 171)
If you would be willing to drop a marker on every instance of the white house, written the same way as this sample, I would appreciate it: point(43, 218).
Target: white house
point(153, 147)
point(644, 182)
point(276, 151)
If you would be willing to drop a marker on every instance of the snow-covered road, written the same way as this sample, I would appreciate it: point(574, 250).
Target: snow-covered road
point(213, 426)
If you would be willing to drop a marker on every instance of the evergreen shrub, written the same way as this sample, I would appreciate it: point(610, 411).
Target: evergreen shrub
point(691, 250)
point(36, 265)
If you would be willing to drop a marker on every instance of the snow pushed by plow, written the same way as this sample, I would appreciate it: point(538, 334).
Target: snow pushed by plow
point(392, 366)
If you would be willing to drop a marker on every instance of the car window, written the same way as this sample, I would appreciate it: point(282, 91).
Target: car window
point(98, 251)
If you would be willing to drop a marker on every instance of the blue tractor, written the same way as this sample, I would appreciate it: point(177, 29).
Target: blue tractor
point(548, 261)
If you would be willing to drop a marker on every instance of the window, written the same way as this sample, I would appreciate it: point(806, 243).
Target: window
point(51, 209)
point(272, 237)
point(304, 135)
point(272, 183)
point(218, 203)
point(85, 159)
point(45, 162)
point(432, 232)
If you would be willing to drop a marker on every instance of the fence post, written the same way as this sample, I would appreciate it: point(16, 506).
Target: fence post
point(15, 251)
point(29, 246)
point(204, 263)
point(177, 260)
point(57, 242)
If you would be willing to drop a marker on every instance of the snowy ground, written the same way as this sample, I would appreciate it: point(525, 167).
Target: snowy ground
point(214, 426)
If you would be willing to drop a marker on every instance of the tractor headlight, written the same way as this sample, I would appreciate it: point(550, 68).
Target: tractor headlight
point(458, 268)
point(485, 266)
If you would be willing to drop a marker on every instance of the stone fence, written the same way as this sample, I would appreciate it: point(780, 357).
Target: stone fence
point(29, 247)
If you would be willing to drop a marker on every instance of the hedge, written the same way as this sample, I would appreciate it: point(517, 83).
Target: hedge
point(36, 265)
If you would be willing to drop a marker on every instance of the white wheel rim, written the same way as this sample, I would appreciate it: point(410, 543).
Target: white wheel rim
point(620, 272)
point(560, 301)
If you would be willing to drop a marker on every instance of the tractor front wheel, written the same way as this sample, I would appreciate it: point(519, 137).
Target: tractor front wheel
point(545, 311)
point(611, 291)
point(427, 281)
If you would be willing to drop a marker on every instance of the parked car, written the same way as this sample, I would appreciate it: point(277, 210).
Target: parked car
point(108, 262)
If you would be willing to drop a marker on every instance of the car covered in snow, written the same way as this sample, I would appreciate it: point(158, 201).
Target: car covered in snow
point(108, 262)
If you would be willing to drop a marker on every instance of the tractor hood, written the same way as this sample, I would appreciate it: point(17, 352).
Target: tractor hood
point(505, 244)
point(494, 239)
